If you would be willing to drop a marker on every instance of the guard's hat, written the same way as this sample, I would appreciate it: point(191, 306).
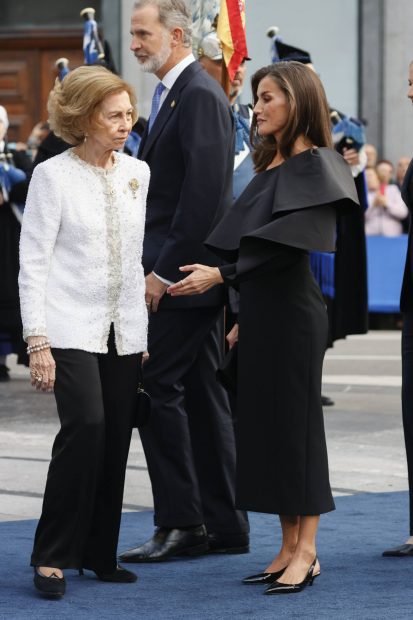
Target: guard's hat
point(210, 47)
point(288, 52)
point(85, 11)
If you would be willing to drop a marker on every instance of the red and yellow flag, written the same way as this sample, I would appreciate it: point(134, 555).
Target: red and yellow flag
point(231, 33)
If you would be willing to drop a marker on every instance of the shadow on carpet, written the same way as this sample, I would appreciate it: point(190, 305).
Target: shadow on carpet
point(356, 582)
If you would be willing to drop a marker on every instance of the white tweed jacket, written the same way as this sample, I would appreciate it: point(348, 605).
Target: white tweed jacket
point(80, 254)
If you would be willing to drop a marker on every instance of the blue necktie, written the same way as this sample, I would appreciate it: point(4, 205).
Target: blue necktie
point(155, 103)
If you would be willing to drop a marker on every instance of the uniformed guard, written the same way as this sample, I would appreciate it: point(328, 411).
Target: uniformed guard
point(92, 46)
point(210, 57)
point(62, 66)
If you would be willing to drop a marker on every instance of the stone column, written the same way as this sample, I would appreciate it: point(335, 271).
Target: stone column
point(386, 48)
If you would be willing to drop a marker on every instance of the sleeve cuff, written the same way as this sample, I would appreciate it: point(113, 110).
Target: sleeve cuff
point(163, 280)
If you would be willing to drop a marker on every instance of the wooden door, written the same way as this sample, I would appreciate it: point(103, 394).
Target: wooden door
point(27, 73)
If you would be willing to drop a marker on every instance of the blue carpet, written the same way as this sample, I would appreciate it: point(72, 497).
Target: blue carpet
point(356, 582)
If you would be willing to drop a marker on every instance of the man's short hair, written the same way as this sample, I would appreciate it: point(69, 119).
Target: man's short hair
point(172, 14)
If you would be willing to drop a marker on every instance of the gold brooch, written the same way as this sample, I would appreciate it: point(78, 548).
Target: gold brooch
point(133, 185)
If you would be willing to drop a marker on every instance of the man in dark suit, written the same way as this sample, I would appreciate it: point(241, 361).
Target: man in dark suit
point(189, 443)
point(406, 306)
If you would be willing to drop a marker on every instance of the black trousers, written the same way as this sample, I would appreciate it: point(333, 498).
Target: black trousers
point(189, 444)
point(95, 397)
point(407, 400)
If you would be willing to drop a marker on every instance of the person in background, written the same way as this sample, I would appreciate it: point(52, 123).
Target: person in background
point(82, 293)
point(386, 209)
point(371, 153)
point(401, 169)
point(210, 57)
point(39, 132)
point(406, 307)
point(385, 171)
point(15, 166)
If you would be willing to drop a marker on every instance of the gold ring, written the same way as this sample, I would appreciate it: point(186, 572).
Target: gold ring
point(182, 283)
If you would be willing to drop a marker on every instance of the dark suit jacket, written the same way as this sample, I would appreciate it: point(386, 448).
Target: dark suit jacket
point(406, 298)
point(190, 151)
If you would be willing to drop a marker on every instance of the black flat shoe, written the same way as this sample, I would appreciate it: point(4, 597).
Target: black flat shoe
point(52, 586)
point(167, 543)
point(403, 551)
point(326, 401)
point(119, 575)
point(262, 579)
point(292, 588)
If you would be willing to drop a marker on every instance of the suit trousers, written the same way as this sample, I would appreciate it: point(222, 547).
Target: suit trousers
point(96, 397)
point(189, 443)
point(407, 401)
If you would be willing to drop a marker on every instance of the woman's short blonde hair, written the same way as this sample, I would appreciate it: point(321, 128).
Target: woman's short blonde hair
point(74, 102)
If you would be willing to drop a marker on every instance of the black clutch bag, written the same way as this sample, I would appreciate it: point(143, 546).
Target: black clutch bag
point(143, 408)
point(227, 372)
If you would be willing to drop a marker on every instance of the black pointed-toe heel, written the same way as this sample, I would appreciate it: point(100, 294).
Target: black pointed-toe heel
point(53, 586)
point(119, 575)
point(262, 579)
point(292, 588)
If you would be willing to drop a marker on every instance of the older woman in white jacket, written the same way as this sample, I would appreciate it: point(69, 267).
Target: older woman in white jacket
point(82, 296)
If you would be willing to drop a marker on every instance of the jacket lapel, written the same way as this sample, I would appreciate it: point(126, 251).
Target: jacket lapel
point(168, 107)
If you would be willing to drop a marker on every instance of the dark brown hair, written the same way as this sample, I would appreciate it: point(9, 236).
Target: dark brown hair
point(309, 114)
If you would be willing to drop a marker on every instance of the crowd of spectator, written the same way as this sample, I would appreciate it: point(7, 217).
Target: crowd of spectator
point(386, 215)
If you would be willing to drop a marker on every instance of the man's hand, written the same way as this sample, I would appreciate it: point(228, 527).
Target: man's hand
point(155, 290)
point(351, 156)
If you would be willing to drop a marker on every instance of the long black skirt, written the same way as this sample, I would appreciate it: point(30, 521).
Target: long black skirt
point(282, 464)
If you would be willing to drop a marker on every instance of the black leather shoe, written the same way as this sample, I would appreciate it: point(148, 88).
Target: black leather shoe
point(52, 586)
point(262, 579)
point(229, 543)
point(293, 588)
point(326, 401)
point(399, 552)
point(168, 543)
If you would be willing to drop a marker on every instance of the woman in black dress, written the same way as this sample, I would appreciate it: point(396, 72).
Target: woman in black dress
point(287, 210)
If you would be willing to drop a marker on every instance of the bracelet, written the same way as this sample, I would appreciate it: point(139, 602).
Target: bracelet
point(40, 346)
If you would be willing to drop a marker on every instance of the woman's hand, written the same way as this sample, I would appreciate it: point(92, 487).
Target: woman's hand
point(380, 200)
point(42, 366)
point(201, 280)
point(232, 336)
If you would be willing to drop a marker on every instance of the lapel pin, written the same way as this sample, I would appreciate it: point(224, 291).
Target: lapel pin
point(173, 103)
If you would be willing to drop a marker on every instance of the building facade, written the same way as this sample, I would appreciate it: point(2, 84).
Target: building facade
point(360, 48)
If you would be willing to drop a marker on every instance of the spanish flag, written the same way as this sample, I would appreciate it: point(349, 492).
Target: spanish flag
point(231, 33)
